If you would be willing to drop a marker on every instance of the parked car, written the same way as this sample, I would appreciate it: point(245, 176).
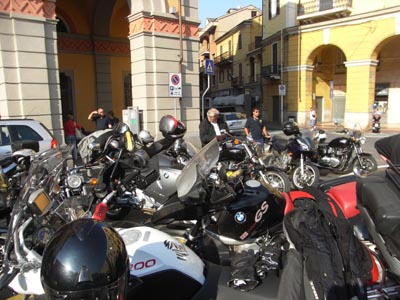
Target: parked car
point(235, 121)
point(14, 132)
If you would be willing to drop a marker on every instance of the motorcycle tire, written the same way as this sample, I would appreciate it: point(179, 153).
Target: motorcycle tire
point(3, 238)
point(278, 180)
point(311, 176)
point(117, 213)
point(366, 167)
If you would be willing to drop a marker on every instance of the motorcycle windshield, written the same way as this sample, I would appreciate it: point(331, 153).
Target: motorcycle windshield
point(43, 173)
point(199, 166)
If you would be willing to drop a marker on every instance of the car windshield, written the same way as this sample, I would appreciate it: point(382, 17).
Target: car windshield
point(200, 164)
point(235, 116)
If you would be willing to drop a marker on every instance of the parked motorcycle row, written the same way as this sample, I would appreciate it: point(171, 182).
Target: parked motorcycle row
point(215, 215)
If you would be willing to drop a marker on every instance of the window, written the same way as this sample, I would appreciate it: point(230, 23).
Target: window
point(221, 75)
point(240, 41)
point(24, 133)
point(127, 90)
point(273, 11)
point(274, 58)
point(4, 136)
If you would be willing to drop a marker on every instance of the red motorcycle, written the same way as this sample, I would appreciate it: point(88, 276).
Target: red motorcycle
point(372, 207)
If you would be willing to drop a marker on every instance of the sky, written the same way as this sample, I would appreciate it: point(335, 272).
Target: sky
point(216, 8)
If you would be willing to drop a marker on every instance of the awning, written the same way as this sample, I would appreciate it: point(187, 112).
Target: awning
point(229, 100)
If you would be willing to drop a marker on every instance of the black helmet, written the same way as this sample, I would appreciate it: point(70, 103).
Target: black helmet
point(85, 259)
point(291, 128)
point(171, 127)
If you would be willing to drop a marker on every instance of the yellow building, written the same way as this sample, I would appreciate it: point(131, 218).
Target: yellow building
point(339, 56)
point(233, 42)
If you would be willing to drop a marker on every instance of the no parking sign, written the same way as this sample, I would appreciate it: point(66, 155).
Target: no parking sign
point(175, 84)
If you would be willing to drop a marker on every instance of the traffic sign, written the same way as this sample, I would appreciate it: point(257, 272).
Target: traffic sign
point(282, 90)
point(209, 66)
point(175, 84)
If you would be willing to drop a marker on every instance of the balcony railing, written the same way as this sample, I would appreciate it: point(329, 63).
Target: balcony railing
point(271, 71)
point(224, 58)
point(323, 7)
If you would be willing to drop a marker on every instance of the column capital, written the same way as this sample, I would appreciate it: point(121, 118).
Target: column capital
point(39, 8)
point(360, 63)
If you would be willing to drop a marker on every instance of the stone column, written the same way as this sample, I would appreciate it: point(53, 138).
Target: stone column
point(158, 42)
point(361, 76)
point(29, 82)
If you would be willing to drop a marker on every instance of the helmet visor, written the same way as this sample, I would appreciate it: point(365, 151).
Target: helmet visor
point(114, 291)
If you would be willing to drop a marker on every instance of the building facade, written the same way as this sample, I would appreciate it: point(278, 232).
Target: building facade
point(338, 56)
point(60, 57)
point(233, 43)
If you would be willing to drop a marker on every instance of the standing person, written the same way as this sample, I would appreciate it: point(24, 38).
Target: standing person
point(112, 120)
point(211, 127)
point(313, 118)
point(69, 132)
point(100, 118)
point(255, 127)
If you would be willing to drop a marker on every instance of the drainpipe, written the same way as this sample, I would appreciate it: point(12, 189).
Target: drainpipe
point(180, 54)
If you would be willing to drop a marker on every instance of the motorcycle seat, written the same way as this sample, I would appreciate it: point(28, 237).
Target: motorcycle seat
point(382, 200)
point(345, 196)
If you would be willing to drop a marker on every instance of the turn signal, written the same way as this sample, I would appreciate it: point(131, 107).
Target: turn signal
point(93, 181)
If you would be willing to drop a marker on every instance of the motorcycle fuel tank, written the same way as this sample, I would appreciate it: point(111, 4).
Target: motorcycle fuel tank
point(340, 142)
point(255, 211)
point(165, 185)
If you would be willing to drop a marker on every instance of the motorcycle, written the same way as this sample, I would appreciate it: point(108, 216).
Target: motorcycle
point(141, 171)
point(229, 217)
point(344, 154)
point(13, 171)
point(159, 264)
point(45, 203)
point(376, 122)
point(294, 155)
point(241, 156)
point(372, 206)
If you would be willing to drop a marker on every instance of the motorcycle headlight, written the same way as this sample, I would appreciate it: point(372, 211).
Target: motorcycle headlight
point(74, 181)
point(362, 140)
point(39, 202)
point(304, 146)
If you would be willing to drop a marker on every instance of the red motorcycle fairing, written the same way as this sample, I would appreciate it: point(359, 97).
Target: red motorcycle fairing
point(344, 195)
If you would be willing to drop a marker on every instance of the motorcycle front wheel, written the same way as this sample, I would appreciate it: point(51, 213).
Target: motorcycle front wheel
point(364, 166)
point(310, 176)
point(117, 213)
point(278, 180)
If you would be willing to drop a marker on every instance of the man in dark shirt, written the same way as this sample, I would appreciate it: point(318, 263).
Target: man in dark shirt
point(100, 118)
point(255, 127)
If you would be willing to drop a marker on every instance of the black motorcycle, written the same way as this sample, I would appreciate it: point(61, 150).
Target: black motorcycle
point(228, 217)
point(141, 172)
point(344, 154)
point(294, 155)
point(240, 156)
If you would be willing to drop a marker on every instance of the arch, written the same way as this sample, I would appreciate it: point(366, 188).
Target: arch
point(66, 20)
point(102, 17)
point(385, 41)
